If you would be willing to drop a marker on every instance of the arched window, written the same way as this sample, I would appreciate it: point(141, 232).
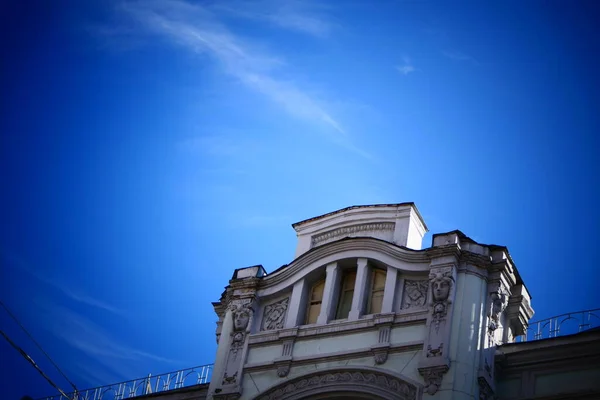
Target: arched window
point(315, 300)
point(377, 289)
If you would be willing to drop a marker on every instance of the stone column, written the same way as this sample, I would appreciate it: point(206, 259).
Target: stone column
point(390, 290)
point(360, 289)
point(297, 304)
point(329, 292)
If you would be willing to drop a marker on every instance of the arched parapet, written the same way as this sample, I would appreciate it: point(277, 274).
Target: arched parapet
point(413, 261)
point(351, 381)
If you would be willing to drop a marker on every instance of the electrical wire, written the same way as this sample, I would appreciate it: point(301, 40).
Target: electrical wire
point(26, 356)
point(38, 345)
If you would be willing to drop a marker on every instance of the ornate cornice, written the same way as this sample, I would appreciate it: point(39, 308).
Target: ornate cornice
point(360, 380)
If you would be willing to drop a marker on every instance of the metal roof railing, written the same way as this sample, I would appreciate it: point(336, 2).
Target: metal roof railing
point(561, 325)
point(142, 386)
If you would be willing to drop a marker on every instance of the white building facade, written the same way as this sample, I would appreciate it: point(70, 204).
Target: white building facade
point(364, 312)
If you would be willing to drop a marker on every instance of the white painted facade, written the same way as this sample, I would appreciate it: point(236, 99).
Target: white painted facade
point(443, 311)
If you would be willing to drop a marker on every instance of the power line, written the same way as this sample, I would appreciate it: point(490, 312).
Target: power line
point(38, 345)
point(26, 356)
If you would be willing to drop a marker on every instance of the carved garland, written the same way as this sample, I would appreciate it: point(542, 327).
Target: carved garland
point(394, 387)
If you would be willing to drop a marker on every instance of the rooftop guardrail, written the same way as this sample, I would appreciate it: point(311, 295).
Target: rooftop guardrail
point(561, 325)
point(142, 386)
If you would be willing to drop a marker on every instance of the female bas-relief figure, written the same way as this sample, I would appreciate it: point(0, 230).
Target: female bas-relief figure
point(441, 285)
point(242, 314)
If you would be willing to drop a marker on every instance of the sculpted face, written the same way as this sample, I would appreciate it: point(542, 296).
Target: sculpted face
point(441, 289)
point(241, 321)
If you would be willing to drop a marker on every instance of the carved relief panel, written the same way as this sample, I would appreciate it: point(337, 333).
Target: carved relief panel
point(274, 315)
point(414, 294)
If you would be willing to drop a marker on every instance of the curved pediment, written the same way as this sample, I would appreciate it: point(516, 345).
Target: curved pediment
point(403, 258)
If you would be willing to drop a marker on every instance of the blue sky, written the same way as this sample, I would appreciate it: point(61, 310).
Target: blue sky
point(149, 148)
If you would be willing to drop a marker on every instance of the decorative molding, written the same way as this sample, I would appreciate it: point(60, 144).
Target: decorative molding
point(346, 230)
point(284, 363)
point(242, 311)
point(384, 334)
point(435, 362)
point(498, 303)
point(284, 369)
point(380, 353)
point(381, 350)
point(414, 294)
point(435, 352)
point(359, 380)
point(226, 396)
point(234, 358)
point(433, 377)
point(485, 391)
point(287, 348)
point(442, 282)
point(336, 356)
point(274, 315)
point(340, 328)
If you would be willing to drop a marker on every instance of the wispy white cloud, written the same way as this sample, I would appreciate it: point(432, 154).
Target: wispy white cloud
point(64, 288)
point(407, 67)
point(301, 16)
point(199, 30)
point(95, 343)
point(458, 56)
